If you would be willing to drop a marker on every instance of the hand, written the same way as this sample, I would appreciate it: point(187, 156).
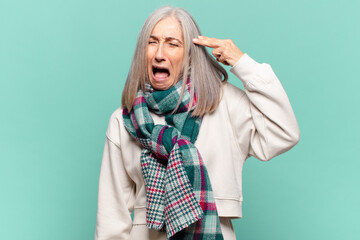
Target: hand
point(225, 51)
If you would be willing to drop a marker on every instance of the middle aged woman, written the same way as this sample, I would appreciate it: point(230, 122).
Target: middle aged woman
point(175, 150)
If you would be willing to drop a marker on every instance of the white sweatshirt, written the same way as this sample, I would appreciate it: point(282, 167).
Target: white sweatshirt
point(258, 122)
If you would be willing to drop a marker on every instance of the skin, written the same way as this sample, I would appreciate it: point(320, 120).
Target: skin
point(165, 50)
point(225, 51)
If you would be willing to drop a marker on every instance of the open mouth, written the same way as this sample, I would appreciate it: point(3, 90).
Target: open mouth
point(160, 73)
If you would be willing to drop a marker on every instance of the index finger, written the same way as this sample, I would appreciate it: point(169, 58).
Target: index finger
point(207, 42)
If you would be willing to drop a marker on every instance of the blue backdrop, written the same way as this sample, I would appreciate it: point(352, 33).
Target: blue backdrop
point(63, 65)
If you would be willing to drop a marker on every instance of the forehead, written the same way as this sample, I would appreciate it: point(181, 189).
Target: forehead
point(168, 27)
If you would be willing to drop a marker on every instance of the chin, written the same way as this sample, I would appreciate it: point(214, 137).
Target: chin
point(161, 85)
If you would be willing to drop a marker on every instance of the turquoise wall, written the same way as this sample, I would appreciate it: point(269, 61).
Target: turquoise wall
point(62, 69)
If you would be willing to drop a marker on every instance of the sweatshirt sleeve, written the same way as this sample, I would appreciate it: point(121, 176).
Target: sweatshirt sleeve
point(116, 191)
point(264, 121)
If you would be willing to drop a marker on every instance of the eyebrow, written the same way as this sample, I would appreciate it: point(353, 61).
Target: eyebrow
point(167, 39)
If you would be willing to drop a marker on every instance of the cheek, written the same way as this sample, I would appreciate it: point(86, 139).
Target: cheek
point(179, 64)
point(178, 59)
point(150, 52)
point(149, 57)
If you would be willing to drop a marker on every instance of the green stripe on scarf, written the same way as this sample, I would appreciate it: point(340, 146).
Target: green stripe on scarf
point(178, 190)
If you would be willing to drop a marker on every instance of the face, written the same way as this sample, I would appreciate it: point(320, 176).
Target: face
point(165, 54)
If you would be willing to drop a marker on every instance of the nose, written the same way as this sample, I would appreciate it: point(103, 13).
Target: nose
point(159, 55)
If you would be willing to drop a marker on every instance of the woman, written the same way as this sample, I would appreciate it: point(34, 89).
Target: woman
point(175, 149)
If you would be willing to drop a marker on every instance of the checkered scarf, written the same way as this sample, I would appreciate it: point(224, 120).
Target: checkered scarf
point(178, 190)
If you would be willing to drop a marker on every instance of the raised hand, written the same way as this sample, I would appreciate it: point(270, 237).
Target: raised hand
point(225, 51)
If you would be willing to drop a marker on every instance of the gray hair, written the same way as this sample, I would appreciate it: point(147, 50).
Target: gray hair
point(206, 73)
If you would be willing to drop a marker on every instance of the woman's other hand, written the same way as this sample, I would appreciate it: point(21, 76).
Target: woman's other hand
point(225, 51)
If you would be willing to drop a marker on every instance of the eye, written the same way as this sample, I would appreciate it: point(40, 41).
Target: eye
point(152, 42)
point(174, 44)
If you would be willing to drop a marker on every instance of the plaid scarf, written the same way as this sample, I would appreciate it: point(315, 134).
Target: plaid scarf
point(178, 190)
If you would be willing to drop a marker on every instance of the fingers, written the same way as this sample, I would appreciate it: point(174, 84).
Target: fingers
point(207, 42)
point(217, 44)
point(216, 52)
point(222, 59)
point(225, 51)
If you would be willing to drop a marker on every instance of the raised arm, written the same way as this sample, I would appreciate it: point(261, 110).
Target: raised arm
point(264, 114)
point(263, 120)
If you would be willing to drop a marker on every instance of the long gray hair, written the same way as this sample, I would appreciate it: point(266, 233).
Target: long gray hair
point(206, 73)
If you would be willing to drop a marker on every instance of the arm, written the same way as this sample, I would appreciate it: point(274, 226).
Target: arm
point(116, 192)
point(266, 114)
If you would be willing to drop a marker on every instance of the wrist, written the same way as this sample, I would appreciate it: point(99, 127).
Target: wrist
point(236, 58)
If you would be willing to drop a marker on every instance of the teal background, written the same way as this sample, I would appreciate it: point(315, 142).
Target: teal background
point(63, 65)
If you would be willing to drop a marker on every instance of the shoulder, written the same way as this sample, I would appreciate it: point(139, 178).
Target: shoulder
point(234, 101)
point(114, 127)
point(231, 93)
